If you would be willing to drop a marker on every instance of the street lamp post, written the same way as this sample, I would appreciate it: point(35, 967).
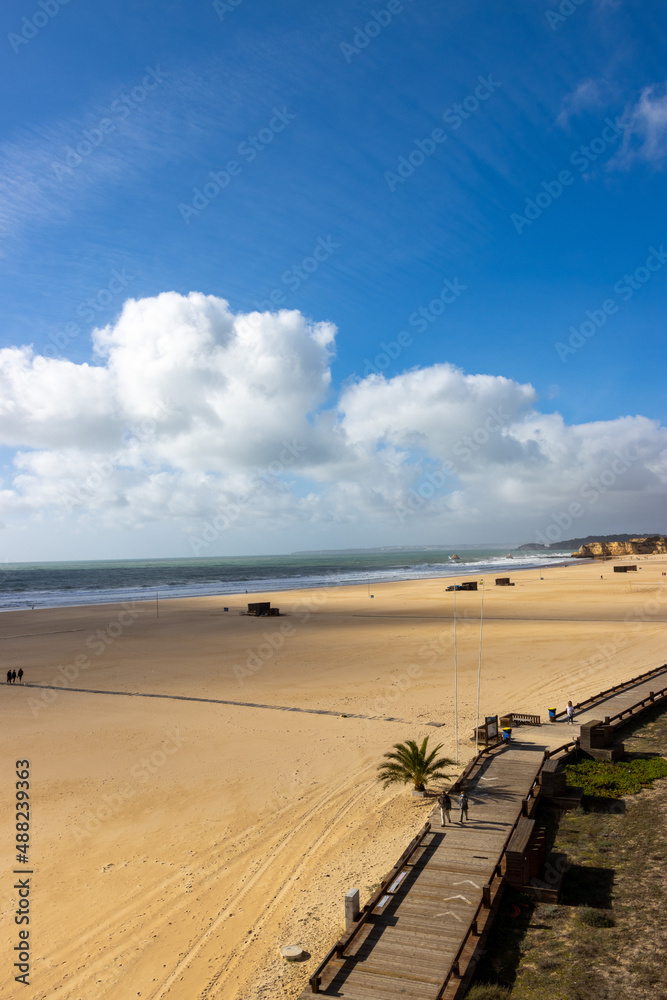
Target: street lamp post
point(456, 688)
point(479, 668)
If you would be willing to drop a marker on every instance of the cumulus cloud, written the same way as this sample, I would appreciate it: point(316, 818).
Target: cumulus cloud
point(198, 418)
point(645, 137)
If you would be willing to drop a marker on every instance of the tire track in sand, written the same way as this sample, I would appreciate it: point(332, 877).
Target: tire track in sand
point(212, 989)
point(125, 929)
point(275, 858)
point(129, 929)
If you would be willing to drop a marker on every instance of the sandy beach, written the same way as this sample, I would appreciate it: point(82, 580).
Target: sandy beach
point(178, 841)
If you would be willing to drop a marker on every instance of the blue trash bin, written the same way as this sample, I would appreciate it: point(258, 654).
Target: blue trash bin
point(552, 714)
point(507, 734)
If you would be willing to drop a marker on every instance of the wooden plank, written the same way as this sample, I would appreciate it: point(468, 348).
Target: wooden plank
point(377, 986)
point(519, 842)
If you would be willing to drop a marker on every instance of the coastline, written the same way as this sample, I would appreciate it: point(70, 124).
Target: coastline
point(180, 843)
point(127, 595)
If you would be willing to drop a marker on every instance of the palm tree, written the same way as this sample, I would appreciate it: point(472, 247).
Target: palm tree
point(408, 762)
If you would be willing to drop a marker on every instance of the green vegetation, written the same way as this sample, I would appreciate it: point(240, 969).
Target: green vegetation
point(607, 936)
point(613, 779)
point(408, 762)
point(595, 918)
point(488, 991)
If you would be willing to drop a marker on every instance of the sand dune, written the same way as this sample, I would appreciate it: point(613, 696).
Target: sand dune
point(177, 843)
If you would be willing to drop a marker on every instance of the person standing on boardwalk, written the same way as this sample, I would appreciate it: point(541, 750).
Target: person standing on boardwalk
point(445, 804)
point(570, 712)
point(463, 806)
point(21, 675)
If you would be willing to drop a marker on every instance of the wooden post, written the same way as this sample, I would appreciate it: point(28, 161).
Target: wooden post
point(651, 696)
point(351, 908)
point(455, 970)
point(473, 927)
point(486, 896)
point(606, 720)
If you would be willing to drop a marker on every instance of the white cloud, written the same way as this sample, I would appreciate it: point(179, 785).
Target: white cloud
point(195, 416)
point(645, 137)
point(589, 94)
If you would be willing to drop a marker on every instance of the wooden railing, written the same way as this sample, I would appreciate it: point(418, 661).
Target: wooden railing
point(346, 940)
point(471, 765)
point(565, 749)
point(338, 949)
point(488, 894)
point(654, 697)
point(491, 889)
point(521, 719)
point(582, 705)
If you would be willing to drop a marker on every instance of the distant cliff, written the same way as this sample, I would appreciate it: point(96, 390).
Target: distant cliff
point(575, 543)
point(651, 545)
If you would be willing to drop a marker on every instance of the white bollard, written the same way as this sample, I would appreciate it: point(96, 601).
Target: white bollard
point(351, 908)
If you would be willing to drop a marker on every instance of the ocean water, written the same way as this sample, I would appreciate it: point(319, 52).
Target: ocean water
point(41, 585)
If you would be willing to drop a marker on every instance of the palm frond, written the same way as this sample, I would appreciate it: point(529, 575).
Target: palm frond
point(409, 762)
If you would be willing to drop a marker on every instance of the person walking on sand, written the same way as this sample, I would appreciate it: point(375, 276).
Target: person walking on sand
point(13, 677)
point(21, 675)
point(445, 804)
point(463, 807)
point(570, 712)
point(9, 677)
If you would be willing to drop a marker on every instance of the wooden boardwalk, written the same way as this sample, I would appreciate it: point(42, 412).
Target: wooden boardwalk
point(414, 935)
point(617, 705)
point(422, 933)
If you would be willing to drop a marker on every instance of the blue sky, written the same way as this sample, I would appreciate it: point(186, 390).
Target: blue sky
point(363, 160)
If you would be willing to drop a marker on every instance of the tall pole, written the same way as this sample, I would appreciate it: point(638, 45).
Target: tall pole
point(456, 688)
point(479, 668)
point(157, 605)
